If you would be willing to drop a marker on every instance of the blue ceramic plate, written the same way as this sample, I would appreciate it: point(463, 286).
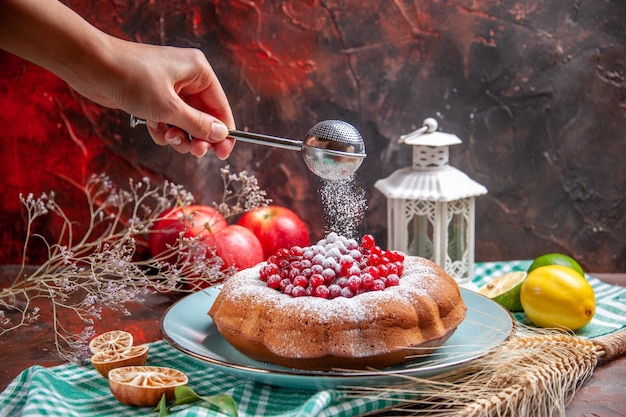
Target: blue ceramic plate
point(187, 327)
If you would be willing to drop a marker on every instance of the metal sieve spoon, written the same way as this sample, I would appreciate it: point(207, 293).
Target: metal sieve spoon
point(332, 149)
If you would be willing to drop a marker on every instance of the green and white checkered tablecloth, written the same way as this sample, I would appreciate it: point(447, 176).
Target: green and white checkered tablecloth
point(73, 390)
point(79, 391)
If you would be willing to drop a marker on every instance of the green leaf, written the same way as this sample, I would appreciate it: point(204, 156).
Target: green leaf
point(222, 403)
point(185, 395)
point(162, 407)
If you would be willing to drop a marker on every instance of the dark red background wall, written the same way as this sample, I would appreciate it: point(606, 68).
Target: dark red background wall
point(535, 89)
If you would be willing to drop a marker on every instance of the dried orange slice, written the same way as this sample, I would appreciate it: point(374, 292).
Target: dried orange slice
point(144, 386)
point(108, 359)
point(112, 340)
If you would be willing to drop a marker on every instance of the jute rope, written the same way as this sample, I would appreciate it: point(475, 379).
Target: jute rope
point(611, 346)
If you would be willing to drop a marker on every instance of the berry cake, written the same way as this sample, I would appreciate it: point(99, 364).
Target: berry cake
point(338, 304)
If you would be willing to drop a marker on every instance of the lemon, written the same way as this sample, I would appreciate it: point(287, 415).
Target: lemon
point(556, 259)
point(557, 296)
point(505, 290)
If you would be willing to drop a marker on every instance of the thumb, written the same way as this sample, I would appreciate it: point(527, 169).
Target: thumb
point(200, 125)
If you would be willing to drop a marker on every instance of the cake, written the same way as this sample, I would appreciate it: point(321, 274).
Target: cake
point(369, 329)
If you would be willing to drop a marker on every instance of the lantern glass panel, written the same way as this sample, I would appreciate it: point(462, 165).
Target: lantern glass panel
point(421, 235)
point(457, 237)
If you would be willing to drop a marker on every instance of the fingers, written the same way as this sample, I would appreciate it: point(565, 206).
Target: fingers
point(223, 149)
point(208, 132)
point(164, 135)
point(194, 103)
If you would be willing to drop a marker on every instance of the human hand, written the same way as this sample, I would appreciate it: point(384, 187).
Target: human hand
point(166, 86)
point(174, 89)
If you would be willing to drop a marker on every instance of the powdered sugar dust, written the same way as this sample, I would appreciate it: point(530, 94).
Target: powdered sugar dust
point(344, 205)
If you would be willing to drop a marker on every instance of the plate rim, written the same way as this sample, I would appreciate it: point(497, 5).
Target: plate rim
point(343, 374)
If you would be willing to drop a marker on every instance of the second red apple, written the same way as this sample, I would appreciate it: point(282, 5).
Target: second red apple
point(276, 227)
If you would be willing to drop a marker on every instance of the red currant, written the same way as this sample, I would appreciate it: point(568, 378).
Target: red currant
point(392, 280)
point(334, 291)
point(378, 285)
point(273, 281)
point(301, 281)
point(367, 241)
point(322, 291)
point(316, 280)
point(298, 291)
point(334, 267)
point(296, 251)
point(367, 280)
point(354, 282)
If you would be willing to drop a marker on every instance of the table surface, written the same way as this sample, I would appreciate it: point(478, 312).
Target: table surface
point(604, 395)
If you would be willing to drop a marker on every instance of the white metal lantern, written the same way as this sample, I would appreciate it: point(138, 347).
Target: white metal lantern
point(430, 205)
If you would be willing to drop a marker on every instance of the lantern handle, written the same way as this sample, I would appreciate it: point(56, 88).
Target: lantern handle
point(428, 126)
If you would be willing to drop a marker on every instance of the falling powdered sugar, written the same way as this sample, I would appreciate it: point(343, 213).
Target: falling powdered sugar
point(344, 206)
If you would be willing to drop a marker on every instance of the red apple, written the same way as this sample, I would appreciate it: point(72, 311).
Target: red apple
point(190, 221)
point(276, 227)
point(236, 246)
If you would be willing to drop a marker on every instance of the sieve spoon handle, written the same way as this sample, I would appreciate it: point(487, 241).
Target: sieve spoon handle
point(267, 140)
point(249, 137)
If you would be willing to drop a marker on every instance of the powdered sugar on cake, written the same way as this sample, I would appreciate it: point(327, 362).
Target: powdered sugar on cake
point(338, 303)
point(247, 288)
